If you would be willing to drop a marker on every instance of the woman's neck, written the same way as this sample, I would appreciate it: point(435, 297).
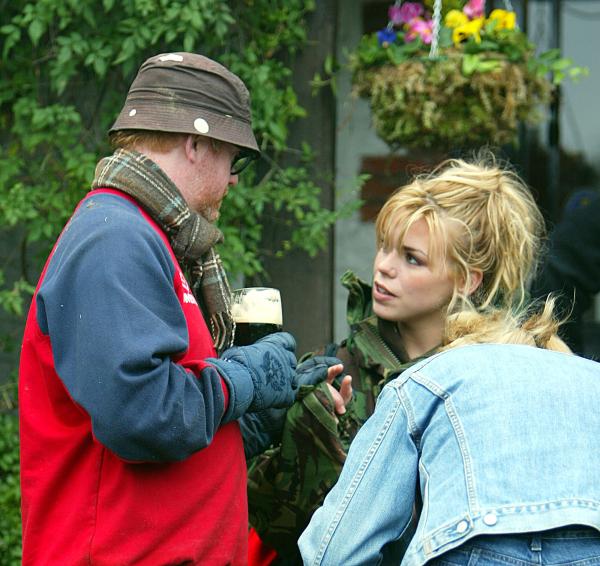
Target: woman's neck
point(418, 339)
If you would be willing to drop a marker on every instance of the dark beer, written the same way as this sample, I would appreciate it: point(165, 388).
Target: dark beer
point(256, 312)
point(249, 332)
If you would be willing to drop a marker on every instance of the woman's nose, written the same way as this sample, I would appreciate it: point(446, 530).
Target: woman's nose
point(386, 265)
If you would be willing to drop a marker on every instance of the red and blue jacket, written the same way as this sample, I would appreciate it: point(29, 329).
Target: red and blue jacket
point(124, 457)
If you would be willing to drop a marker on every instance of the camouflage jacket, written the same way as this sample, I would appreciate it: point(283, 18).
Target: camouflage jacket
point(288, 482)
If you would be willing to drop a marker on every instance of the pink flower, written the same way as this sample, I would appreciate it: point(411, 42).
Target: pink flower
point(421, 28)
point(405, 13)
point(474, 8)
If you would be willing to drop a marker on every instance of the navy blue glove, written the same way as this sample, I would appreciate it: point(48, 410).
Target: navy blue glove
point(263, 428)
point(259, 376)
point(314, 370)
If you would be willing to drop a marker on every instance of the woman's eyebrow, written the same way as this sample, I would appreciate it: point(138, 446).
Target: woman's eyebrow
point(414, 250)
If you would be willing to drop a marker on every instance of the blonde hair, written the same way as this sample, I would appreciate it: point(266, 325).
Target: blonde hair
point(481, 217)
point(505, 327)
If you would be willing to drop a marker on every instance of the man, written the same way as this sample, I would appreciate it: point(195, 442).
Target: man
point(131, 452)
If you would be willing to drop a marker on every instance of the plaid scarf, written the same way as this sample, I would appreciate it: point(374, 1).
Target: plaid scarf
point(192, 237)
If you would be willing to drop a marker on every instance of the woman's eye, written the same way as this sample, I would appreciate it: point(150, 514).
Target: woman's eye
point(412, 260)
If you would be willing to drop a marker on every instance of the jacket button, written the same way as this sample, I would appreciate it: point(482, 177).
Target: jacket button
point(490, 519)
point(461, 527)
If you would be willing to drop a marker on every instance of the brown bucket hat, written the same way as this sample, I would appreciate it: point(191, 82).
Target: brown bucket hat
point(190, 94)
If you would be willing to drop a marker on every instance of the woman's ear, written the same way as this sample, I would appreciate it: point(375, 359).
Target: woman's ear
point(476, 277)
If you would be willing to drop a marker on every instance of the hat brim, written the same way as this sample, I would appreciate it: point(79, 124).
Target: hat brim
point(144, 116)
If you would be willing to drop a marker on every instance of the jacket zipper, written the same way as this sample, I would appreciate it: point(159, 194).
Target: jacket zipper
point(385, 348)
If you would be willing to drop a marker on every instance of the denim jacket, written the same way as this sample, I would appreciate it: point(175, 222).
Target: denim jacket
point(497, 438)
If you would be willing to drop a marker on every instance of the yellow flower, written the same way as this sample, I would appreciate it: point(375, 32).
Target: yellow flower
point(504, 19)
point(455, 18)
point(471, 28)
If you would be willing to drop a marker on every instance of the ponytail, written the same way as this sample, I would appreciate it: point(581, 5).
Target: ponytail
point(505, 327)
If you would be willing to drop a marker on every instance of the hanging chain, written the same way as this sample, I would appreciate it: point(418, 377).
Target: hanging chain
point(435, 32)
point(509, 8)
point(390, 25)
point(437, 18)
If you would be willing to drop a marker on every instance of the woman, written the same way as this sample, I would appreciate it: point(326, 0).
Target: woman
point(389, 333)
point(456, 252)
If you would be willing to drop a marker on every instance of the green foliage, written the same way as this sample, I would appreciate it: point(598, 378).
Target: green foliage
point(485, 78)
point(10, 499)
point(330, 68)
point(66, 67)
point(12, 299)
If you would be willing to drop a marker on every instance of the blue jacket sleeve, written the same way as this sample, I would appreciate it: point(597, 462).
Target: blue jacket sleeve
point(370, 506)
point(109, 306)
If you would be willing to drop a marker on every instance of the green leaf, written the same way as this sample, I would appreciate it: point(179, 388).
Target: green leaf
point(100, 66)
point(36, 30)
point(189, 41)
point(469, 64)
point(328, 65)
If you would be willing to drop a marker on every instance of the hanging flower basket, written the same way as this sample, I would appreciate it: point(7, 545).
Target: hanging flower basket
point(452, 76)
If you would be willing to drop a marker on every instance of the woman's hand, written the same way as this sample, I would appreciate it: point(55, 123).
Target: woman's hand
point(342, 397)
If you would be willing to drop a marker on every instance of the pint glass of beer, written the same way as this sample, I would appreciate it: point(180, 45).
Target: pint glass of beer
point(256, 312)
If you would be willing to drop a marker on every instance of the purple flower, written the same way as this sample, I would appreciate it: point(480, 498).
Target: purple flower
point(394, 14)
point(386, 36)
point(404, 13)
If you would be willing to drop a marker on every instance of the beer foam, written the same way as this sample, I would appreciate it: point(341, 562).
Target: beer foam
point(257, 304)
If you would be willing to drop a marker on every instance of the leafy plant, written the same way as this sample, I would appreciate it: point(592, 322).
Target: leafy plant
point(10, 499)
point(478, 80)
point(66, 67)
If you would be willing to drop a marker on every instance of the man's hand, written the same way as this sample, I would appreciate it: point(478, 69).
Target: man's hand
point(259, 376)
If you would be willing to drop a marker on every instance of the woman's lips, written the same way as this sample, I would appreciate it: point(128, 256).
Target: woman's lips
point(380, 293)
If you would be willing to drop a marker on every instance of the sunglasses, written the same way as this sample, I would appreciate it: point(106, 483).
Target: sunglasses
point(242, 160)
